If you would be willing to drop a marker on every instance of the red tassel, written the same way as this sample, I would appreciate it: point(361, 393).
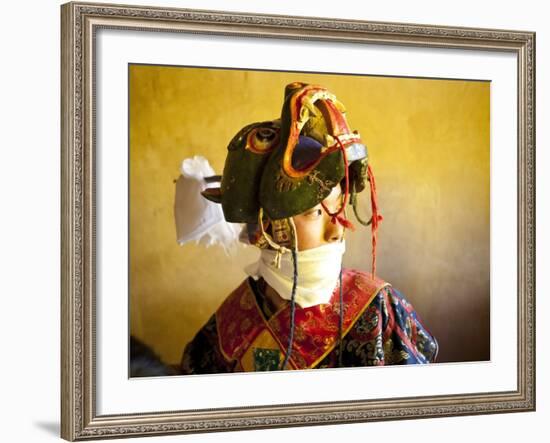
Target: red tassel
point(345, 222)
point(336, 218)
point(376, 217)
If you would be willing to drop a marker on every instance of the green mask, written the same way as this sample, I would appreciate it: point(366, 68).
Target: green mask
point(291, 164)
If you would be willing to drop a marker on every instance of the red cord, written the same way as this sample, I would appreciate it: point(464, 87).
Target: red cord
point(335, 216)
point(376, 217)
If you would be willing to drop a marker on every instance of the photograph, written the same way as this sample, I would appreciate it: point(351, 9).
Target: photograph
point(304, 220)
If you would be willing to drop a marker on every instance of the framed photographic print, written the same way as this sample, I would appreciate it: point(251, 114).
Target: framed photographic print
point(279, 221)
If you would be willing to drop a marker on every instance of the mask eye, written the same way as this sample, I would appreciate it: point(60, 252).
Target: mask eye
point(262, 140)
point(265, 135)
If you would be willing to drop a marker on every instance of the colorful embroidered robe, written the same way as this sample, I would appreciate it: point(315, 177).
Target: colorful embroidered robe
point(380, 328)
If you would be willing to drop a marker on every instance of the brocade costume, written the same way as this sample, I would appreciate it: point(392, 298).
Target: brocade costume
point(380, 328)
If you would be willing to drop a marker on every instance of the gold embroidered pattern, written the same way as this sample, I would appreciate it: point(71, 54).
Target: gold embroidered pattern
point(392, 356)
point(246, 302)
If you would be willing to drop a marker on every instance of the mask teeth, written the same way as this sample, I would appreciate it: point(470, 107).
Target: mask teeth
point(308, 103)
point(329, 140)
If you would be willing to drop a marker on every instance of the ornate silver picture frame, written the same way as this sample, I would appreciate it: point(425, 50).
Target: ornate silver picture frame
point(81, 240)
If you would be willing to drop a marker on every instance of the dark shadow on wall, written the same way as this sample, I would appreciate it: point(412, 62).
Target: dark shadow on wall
point(144, 362)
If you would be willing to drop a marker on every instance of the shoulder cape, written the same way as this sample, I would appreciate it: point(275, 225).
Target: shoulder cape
point(259, 344)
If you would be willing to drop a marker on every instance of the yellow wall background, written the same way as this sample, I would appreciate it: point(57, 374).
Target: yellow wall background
point(428, 144)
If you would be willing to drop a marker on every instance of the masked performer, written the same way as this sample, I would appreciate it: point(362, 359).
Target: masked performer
point(290, 181)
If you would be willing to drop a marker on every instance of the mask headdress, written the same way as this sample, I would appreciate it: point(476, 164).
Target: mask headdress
point(278, 169)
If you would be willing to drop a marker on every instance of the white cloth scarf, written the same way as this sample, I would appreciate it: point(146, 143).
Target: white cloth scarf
point(198, 219)
point(318, 273)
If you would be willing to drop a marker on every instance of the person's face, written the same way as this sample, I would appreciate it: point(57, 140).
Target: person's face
point(314, 227)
